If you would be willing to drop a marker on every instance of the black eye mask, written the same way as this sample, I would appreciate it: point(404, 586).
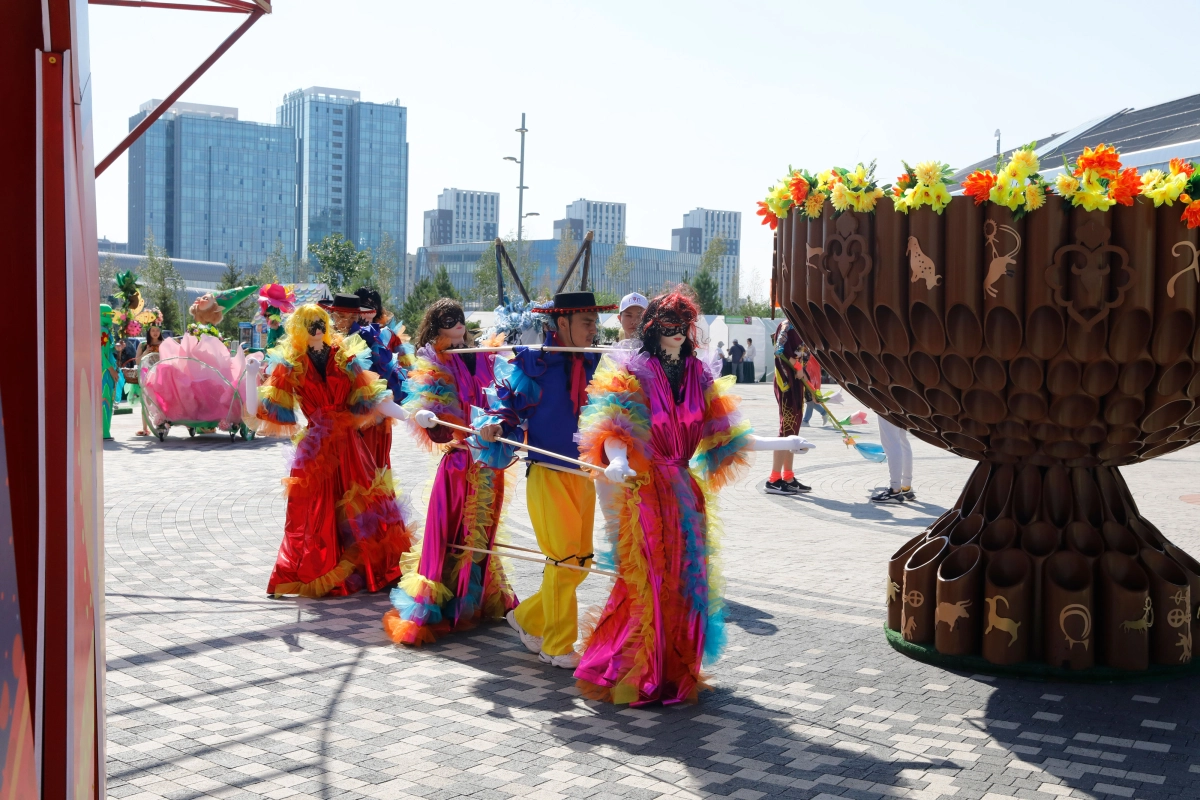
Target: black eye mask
point(448, 319)
point(314, 327)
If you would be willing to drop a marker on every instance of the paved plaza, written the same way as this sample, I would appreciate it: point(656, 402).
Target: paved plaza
point(216, 690)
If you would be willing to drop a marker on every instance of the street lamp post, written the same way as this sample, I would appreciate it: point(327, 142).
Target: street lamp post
point(521, 188)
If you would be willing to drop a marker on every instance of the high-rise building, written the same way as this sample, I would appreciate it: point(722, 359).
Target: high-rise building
point(700, 227)
point(352, 167)
point(605, 220)
point(462, 216)
point(211, 187)
point(562, 226)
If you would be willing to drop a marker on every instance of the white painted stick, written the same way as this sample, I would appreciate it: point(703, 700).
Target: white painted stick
point(523, 446)
point(542, 560)
point(544, 348)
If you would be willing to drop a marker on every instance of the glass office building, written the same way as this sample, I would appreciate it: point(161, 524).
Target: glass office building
point(211, 187)
point(352, 167)
point(700, 227)
point(651, 269)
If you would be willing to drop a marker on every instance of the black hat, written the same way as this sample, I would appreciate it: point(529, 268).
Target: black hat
point(573, 302)
point(347, 303)
point(369, 297)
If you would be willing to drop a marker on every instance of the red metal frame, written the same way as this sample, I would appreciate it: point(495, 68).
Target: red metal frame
point(175, 6)
point(254, 10)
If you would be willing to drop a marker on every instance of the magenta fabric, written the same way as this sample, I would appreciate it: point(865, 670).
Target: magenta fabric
point(664, 660)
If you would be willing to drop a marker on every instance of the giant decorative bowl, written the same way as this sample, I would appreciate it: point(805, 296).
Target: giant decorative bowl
point(1052, 349)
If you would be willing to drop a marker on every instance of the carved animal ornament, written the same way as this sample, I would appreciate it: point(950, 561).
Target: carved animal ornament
point(951, 613)
point(1192, 267)
point(921, 265)
point(1145, 623)
point(1180, 618)
point(1085, 616)
point(846, 262)
point(1096, 266)
point(893, 590)
point(994, 620)
point(1001, 266)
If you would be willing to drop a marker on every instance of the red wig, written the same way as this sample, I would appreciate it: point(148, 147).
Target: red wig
point(671, 309)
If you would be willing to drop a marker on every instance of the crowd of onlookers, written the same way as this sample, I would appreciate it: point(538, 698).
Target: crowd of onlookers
point(739, 361)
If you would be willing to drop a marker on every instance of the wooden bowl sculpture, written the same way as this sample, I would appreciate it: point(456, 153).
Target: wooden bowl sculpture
point(1051, 349)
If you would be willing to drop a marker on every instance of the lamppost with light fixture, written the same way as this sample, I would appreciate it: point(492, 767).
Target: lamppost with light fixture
point(521, 188)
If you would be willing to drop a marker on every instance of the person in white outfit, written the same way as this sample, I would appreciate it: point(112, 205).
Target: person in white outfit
point(899, 458)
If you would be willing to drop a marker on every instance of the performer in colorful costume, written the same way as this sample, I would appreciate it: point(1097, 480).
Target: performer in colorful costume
point(108, 365)
point(344, 529)
point(661, 416)
point(275, 300)
point(391, 359)
point(546, 391)
point(445, 588)
point(209, 309)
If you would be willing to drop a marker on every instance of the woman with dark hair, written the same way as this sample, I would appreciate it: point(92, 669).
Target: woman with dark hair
point(666, 426)
point(153, 341)
point(445, 588)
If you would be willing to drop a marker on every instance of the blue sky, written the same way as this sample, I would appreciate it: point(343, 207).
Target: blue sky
point(665, 106)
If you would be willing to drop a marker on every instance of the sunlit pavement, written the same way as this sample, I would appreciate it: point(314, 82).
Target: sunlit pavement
point(215, 690)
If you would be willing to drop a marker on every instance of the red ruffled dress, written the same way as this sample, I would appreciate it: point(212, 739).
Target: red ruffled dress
point(344, 530)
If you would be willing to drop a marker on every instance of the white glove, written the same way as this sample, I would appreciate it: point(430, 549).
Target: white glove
point(425, 418)
point(618, 462)
point(389, 409)
point(793, 443)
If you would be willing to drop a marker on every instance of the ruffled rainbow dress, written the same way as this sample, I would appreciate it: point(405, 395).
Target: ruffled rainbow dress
point(665, 615)
point(345, 529)
point(445, 588)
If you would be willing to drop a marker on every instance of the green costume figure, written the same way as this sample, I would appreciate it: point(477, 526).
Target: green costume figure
point(108, 366)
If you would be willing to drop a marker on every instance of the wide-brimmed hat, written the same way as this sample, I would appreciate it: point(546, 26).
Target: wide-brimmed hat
point(346, 303)
point(573, 302)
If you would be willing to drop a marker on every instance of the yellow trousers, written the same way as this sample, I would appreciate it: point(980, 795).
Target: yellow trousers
point(561, 508)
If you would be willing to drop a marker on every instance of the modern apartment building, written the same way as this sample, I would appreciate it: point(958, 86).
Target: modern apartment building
point(211, 187)
point(606, 220)
point(700, 227)
point(352, 167)
point(473, 216)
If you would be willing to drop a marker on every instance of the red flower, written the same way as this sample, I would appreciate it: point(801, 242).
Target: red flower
point(767, 214)
point(979, 185)
point(1126, 187)
point(1191, 214)
point(799, 188)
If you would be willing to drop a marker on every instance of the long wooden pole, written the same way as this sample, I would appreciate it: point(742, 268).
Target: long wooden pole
point(523, 446)
point(544, 348)
point(542, 560)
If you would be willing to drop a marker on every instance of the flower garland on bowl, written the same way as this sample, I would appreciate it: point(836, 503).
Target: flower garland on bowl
point(1096, 181)
point(1016, 185)
point(923, 186)
point(1180, 182)
point(799, 190)
point(854, 190)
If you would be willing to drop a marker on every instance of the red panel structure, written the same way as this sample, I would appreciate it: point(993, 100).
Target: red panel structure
point(51, 563)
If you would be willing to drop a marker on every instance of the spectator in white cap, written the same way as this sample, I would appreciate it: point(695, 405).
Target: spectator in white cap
point(633, 305)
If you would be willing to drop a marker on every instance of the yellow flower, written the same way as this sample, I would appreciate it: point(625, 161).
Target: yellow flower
point(1151, 177)
point(1066, 185)
point(840, 197)
point(812, 205)
point(1092, 200)
point(857, 178)
point(1035, 198)
point(1024, 163)
point(823, 178)
point(940, 198)
point(779, 199)
point(868, 200)
point(929, 172)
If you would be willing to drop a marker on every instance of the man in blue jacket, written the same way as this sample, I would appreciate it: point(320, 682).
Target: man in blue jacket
point(545, 392)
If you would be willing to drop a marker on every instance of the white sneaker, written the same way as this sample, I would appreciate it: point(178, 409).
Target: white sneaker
point(565, 661)
point(532, 643)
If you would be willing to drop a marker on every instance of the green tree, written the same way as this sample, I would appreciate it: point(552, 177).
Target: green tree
point(482, 293)
point(108, 280)
point(442, 285)
point(708, 293)
point(564, 255)
point(232, 278)
point(749, 307)
point(711, 260)
point(420, 298)
point(339, 263)
point(617, 269)
point(381, 275)
point(276, 267)
point(163, 286)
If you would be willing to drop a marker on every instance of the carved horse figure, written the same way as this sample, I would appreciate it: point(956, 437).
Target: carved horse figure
point(1001, 265)
point(951, 613)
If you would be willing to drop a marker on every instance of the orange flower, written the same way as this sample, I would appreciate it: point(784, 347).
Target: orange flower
point(799, 188)
point(1191, 214)
point(767, 214)
point(1179, 165)
point(1103, 159)
point(1126, 187)
point(978, 185)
